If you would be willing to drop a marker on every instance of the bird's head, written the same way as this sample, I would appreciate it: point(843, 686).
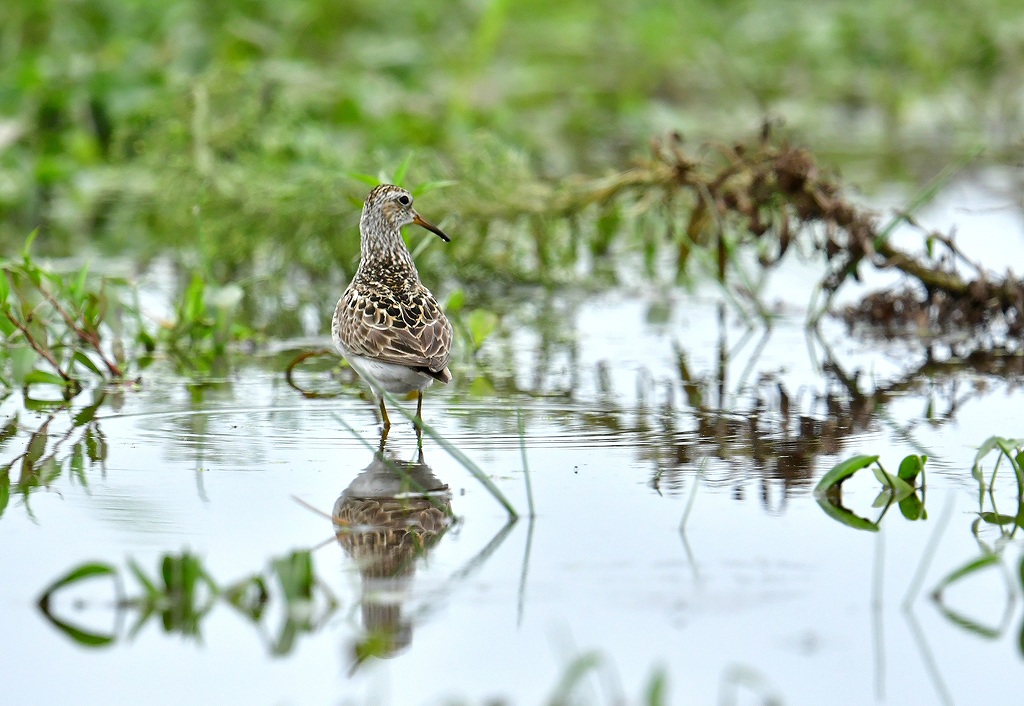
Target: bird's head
point(394, 205)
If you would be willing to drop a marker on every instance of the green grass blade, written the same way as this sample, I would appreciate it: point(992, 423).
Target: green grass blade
point(577, 670)
point(403, 168)
point(928, 192)
point(396, 469)
point(448, 446)
point(526, 465)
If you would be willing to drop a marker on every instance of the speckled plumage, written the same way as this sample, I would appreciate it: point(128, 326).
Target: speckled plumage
point(387, 323)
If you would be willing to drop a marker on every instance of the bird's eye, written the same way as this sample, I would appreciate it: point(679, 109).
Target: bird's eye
point(404, 200)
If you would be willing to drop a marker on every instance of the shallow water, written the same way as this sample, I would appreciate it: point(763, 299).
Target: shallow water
point(672, 451)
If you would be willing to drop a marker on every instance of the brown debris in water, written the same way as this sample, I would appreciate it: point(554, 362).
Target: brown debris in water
point(905, 311)
point(766, 192)
point(776, 189)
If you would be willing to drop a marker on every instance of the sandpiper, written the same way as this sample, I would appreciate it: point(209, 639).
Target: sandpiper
point(389, 326)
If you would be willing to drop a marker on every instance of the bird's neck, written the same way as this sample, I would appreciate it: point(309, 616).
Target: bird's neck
point(382, 246)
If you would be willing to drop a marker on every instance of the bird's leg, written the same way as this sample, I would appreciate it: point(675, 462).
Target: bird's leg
point(417, 423)
point(384, 415)
point(383, 440)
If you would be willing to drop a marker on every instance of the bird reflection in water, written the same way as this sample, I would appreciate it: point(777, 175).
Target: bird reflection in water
point(390, 515)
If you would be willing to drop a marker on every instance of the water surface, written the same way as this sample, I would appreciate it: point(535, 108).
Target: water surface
point(672, 451)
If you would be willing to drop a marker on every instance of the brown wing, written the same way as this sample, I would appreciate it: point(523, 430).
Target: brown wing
point(405, 329)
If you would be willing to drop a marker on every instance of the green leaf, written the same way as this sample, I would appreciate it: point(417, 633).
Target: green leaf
point(295, 572)
point(986, 446)
point(77, 574)
point(7, 327)
point(153, 593)
point(43, 377)
point(841, 471)
point(86, 414)
point(481, 324)
point(249, 596)
point(49, 470)
point(431, 185)
point(95, 445)
point(1008, 446)
point(26, 251)
point(911, 466)
point(78, 287)
point(657, 689)
point(967, 569)
point(573, 677)
point(102, 306)
point(5, 288)
point(170, 571)
point(842, 515)
point(10, 428)
point(994, 518)
point(194, 307)
point(403, 168)
point(86, 362)
point(898, 486)
point(481, 387)
point(147, 341)
point(85, 638)
point(23, 361)
point(5, 489)
point(82, 573)
point(455, 302)
point(912, 508)
point(968, 624)
point(364, 178)
point(78, 464)
point(36, 445)
point(54, 279)
point(1020, 640)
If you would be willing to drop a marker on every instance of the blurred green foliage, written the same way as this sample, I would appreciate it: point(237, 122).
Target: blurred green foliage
point(182, 593)
point(65, 330)
point(231, 131)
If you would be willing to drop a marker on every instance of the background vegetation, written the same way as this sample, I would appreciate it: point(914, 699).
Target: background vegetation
point(236, 138)
point(118, 117)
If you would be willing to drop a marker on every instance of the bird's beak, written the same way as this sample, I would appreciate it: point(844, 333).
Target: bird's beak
point(421, 221)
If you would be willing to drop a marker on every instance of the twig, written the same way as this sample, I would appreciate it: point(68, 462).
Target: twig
point(43, 352)
point(90, 337)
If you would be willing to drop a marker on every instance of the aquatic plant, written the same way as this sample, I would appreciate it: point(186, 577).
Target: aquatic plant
point(48, 454)
point(900, 489)
point(67, 330)
point(182, 594)
point(57, 328)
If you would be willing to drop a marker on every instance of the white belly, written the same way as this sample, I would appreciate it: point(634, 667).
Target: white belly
point(396, 379)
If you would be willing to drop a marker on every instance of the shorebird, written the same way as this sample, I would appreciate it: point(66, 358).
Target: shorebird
point(389, 326)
